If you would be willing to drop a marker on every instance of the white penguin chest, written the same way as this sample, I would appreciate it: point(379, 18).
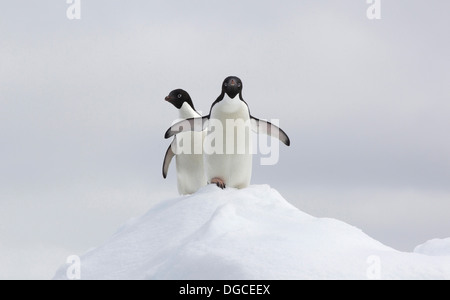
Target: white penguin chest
point(228, 145)
point(230, 109)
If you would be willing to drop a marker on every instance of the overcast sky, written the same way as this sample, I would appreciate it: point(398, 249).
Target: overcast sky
point(366, 104)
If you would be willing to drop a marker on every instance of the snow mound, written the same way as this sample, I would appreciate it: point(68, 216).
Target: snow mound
point(253, 233)
point(436, 247)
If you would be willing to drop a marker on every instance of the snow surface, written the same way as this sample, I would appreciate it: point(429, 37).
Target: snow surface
point(253, 233)
point(436, 247)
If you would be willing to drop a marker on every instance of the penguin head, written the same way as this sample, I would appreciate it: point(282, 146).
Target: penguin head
point(232, 86)
point(178, 97)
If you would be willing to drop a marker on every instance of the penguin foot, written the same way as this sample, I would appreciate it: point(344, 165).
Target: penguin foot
point(219, 182)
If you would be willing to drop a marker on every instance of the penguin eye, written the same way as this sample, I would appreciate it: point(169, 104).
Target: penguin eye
point(179, 95)
point(239, 84)
point(225, 84)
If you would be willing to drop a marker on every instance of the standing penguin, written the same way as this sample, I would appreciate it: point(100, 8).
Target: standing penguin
point(187, 147)
point(233, 165)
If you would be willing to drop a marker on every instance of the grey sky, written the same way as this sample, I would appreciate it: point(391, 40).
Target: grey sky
point(365, 103)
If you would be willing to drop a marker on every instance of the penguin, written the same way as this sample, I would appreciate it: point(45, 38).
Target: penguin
point(186, 147)
point(229, 168)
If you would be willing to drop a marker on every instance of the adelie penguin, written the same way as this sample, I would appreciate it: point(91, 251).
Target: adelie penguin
point(231, 165)
point(187, 147)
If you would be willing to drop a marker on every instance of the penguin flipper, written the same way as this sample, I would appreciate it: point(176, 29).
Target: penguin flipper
point(167, 159)
point(261, 126)
point(192, 124)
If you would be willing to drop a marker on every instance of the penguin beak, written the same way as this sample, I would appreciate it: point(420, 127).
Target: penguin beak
point(233, 82)
point(168, 99)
